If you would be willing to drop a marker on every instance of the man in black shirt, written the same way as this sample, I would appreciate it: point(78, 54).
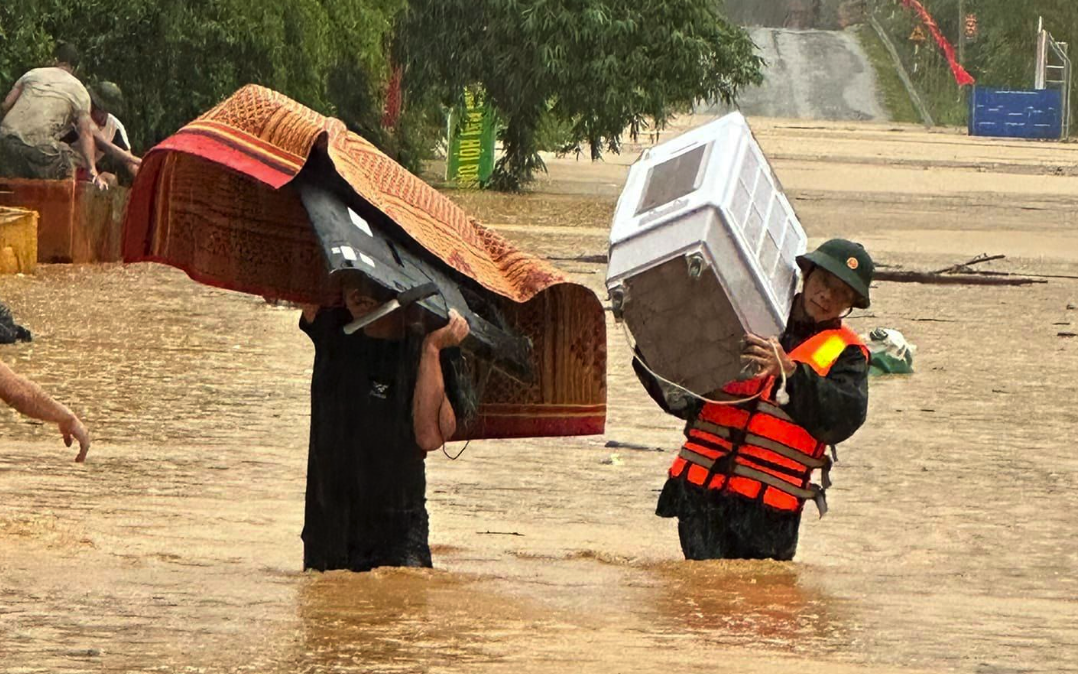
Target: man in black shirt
point(378, 405)
point(722, 513)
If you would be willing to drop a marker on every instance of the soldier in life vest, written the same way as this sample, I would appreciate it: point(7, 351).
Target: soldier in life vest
point(741, 480)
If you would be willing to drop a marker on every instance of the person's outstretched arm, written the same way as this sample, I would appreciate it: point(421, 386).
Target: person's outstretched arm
point(116, 152)
point(28, 398)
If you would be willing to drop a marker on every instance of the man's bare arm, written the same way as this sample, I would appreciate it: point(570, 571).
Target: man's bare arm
point(447, 418)
point(29, 399)
point(113, 150)
point(433, 419)
point(10, 99)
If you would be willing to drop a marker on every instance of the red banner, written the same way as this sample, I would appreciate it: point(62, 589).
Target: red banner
point(960, 75)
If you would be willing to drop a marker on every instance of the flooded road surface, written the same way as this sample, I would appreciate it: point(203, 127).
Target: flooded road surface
point(950, 545)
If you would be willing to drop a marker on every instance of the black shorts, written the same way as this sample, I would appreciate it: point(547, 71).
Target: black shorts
point(714, 525)
point(394, 538)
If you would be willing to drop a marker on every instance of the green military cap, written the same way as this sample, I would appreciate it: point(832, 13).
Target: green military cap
point(107, 96)
point(847, 260)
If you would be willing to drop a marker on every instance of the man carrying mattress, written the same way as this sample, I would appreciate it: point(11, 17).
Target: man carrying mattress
point(381, 400)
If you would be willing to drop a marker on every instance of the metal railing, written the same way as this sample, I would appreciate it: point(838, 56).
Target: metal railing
point(1054, 70)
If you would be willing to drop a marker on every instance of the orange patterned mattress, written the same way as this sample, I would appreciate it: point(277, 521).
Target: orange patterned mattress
point(214, 200)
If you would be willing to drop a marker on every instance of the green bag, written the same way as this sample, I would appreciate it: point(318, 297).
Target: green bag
point(889, 352)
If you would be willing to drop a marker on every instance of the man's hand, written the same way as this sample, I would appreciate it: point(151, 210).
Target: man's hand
point(28, 398)
point(100, 183)
point(310, 312)
point(451, 335)
point(769, 356)
point(73, 429)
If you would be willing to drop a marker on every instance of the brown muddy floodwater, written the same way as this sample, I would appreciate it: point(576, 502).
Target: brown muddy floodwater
point(950, 546)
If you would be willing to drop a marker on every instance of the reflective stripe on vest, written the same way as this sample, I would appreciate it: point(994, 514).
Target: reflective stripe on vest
point(745, 471)
point(752, 439)
point(822, 349)
point(755, 449)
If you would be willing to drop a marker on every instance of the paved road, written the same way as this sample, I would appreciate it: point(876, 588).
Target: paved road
point(812, 74)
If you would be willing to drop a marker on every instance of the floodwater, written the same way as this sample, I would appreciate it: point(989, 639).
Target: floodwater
point(950, 545)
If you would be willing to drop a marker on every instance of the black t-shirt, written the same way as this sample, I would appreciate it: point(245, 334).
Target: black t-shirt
point(365, 473)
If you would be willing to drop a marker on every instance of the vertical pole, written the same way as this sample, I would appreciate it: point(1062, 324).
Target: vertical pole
point(961, 43)
point(962, 33)
point(1062, 52)
point(1066, 98)
point(1042, 56)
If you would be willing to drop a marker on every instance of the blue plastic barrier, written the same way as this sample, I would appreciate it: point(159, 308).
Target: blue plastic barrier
point(1016, 114)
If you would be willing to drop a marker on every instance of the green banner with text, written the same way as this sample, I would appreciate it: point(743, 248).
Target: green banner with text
point(471, 144)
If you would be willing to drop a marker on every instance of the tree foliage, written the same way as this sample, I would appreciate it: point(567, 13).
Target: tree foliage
point(1004, 51)
point(175, 59)
point(581, 71)
point(595, 67)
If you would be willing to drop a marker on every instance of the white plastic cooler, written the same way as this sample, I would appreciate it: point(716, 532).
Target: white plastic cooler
point(702, 250)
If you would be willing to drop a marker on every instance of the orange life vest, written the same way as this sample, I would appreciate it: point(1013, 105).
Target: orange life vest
point(754, 448)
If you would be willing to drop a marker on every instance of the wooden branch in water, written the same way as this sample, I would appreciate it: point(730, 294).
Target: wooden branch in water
point(617, 444)
point(983, 257)
point(595, 259)
point(958, 274)
point(1007, 273)
point(952, 279)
